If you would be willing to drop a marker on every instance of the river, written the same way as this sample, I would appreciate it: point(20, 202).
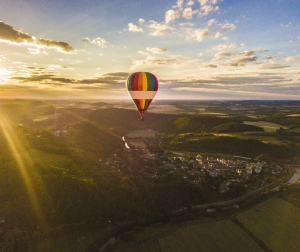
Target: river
point(295, 177)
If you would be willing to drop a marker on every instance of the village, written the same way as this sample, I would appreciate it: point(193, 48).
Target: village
point(249, 173)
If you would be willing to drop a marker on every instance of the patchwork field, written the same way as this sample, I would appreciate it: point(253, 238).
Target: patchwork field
point(276, 223)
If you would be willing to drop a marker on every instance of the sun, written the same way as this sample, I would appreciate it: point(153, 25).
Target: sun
point(4, 74)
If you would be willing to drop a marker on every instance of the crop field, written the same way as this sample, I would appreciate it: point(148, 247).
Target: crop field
point(267, 126)
point(215, 236)
point(276, 223)
point(141, 133)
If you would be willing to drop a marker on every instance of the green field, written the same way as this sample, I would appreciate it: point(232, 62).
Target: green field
point(214, 236)
point(276, 223)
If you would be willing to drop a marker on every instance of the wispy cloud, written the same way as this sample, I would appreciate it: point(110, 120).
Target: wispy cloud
point(156, 50)
point(242, 58)
point(197, 34)
point(8, 34)
point(96, 41)
point(159, 29)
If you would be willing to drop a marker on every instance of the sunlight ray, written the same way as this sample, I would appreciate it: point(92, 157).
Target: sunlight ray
point(23, 161)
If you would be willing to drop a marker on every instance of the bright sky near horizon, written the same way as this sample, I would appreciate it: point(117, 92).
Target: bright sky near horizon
point(198, 49)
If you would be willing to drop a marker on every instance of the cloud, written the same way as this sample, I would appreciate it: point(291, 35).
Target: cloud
point(156, 50)
point(206, 7)
point(134, 28)
point(210, 66)
point(222, 47)
point(292, 58)
point(37, 51)
point(243, 58)
point(40, 75)
point(190, 3)
point(159, 28)
point(179, 3)
point(211, 22)
point(141, 21)
point(220, 55)
point(51, 43)
point(108, 79)
point(197, 34)
point(10, 35)
point(171, 15)
point(228, 27)
point(96, 41)
point(187, 13)
point(274, 66)
point(43, 77)
point(173, 61)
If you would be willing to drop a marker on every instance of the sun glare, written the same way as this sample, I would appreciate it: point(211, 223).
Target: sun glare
point(4, 74)
point(23, 161)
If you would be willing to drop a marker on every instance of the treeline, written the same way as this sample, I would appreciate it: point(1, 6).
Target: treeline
point(236, 146)
point(195, 124)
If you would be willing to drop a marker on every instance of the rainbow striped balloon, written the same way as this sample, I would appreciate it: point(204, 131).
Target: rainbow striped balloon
point(142, 87)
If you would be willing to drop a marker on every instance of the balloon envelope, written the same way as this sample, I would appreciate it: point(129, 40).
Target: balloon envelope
point(142, 87)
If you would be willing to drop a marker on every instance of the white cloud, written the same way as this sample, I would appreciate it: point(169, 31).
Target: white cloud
point(179, 3)
point(156, 50)
point(141, 21)
point(218, 35)
point(197, 34)
point(203, 2)
point(187, 13)
point(96, 41)
point(220, 55)
point(228, 27)
point(190, 3)
point(134, 28)
point(211, 22)
point(171, 15)
point(37, 51)
point(159, 29)
point(224, 47)
point(292, 58)
point(172, 61)
point(206, 7)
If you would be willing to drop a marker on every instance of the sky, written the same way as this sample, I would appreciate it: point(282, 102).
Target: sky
point(198, 49)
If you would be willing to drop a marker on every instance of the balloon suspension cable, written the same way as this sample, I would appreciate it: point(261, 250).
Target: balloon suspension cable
point(142, 118)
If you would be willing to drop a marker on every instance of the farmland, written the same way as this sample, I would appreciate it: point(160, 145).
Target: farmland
point(274, 223)
point(268, 226)
point(267, 126)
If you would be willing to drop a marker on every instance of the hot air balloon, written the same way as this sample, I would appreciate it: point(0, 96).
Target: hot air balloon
point(142, 87)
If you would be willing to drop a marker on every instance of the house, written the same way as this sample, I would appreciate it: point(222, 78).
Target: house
point(249, 168)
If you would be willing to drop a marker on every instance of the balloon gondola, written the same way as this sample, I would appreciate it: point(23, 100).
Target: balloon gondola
point(142, 87)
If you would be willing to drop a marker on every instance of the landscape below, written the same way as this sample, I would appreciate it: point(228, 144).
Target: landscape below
point(68, 181)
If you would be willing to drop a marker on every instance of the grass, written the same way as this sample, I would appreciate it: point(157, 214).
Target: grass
point(276, 223)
